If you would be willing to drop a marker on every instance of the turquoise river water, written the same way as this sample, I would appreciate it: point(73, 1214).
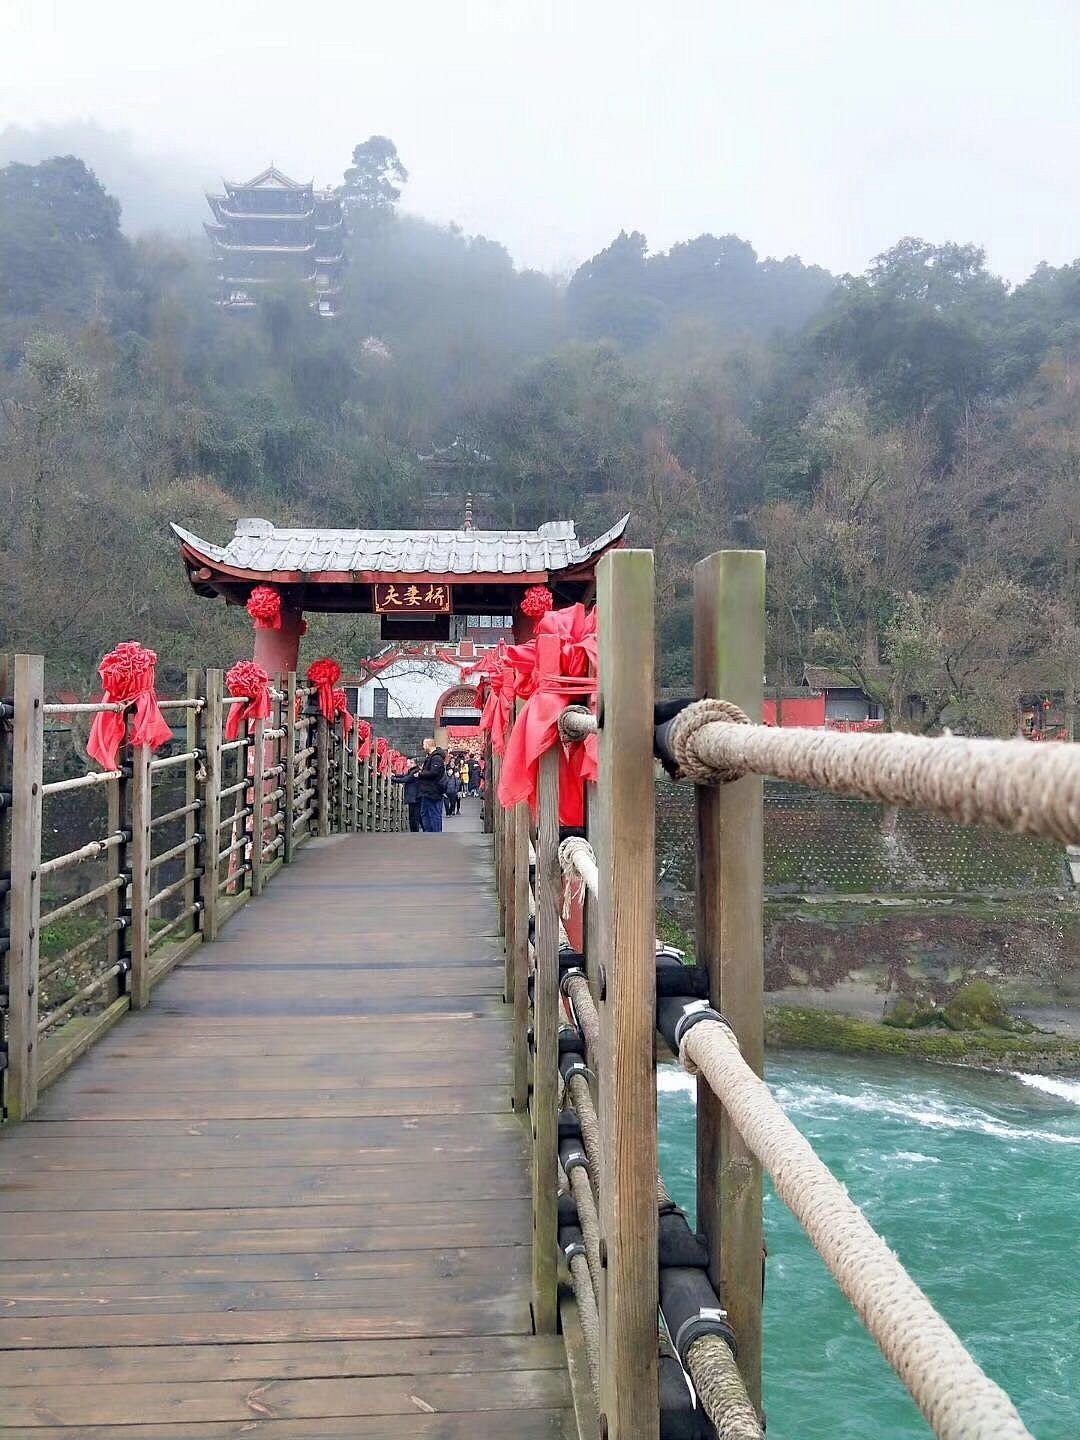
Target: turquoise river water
point(974, 1180)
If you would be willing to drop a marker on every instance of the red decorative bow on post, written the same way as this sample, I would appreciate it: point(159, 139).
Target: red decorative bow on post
point(341, 707)
point(502, 684)
point(324, 675)
point(251, 681)
point(382, 750)
point(553, 671)
point(127, 673)
point(264, 607)
point(363, 740)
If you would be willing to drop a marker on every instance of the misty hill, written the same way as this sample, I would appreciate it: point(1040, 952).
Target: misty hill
point(906, 443)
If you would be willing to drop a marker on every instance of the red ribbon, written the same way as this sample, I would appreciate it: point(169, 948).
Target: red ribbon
point(363, 740)
point(324, 675)
point(250, 680)
point(341, 707)
point(127, 673)
point(382, 750)
point(557, 667)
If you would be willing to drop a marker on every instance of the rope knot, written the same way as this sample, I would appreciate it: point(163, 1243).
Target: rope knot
point(685, 727)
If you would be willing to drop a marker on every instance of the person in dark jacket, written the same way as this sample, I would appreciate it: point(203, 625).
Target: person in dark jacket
point(474, 777)
point(412, 798)
point(430, 784)
point(452, 793)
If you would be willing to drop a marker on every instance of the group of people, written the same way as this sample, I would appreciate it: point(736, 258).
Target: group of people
point(434, 785)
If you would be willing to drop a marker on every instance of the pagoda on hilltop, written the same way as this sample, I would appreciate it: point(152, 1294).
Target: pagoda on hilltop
point(272, 230)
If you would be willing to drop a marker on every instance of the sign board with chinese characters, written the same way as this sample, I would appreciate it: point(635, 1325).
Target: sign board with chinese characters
point(423, 598)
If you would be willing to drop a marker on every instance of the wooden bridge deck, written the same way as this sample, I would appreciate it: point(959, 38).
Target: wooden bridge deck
point(290, 1198)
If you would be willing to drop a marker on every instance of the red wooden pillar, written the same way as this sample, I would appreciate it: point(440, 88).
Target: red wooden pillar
point(278, 651)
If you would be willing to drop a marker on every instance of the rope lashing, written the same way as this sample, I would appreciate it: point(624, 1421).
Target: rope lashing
point(956, 1397)
point(1011, 784)
point(686, 728)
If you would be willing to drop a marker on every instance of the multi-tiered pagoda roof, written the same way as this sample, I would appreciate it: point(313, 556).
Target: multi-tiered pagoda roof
point(275, 230)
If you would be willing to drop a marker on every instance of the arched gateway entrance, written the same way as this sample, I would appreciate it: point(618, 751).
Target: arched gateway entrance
point(422, 583)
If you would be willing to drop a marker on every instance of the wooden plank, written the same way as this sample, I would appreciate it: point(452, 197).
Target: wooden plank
point(304, 1314)
point(622, 831)
point(360, 1396)
point(729, 625)
point(546, 1079)
point(527, 1425)
point(27, 759)
point(196, 1364)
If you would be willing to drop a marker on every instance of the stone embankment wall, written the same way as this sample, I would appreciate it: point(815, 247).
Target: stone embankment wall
point(864, 903)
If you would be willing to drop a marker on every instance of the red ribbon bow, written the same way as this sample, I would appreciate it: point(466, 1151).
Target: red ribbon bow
point(556, 668)
point(250, 680)
point(127, 673)
point(382, 750)
point(264, 607)
point(324, 675)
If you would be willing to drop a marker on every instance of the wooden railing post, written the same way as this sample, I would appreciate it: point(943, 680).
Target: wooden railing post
point(365, 794)
point(194, 818)
point(211, 847)
point(258, 790)
point(622, 834)
point(289, 778)
point(517, 943)
point(506, 858)
point(729, 657)
point(322, 774)
point(27, 764)
point(546, 1010)
point(139, 853)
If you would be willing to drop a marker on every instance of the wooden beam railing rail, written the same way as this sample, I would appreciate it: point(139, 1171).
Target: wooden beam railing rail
point(606, 1235)
point(177, 843)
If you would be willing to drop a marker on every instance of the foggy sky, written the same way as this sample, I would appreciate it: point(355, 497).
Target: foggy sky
point(826, 129)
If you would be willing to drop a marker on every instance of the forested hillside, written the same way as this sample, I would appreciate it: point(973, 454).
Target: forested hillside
point(906, 443)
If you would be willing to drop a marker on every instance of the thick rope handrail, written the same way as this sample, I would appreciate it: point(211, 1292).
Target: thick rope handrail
point(957, 1398)
point(577, 722)
point(578, 862)
point(1011, 784)
point(721, 1390)
point(580, 996)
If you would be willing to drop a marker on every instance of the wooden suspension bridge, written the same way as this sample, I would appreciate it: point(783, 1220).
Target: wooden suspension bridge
point(343, 1131)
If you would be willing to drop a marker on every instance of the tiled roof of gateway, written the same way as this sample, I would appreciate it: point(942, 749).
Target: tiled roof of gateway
point(259, 547)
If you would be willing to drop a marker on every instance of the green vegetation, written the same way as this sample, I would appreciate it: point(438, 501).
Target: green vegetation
point(906, 443)
point(799, 1029)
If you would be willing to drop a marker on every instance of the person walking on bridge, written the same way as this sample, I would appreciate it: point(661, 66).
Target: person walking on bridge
point(412, 798)
point(430, 787)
